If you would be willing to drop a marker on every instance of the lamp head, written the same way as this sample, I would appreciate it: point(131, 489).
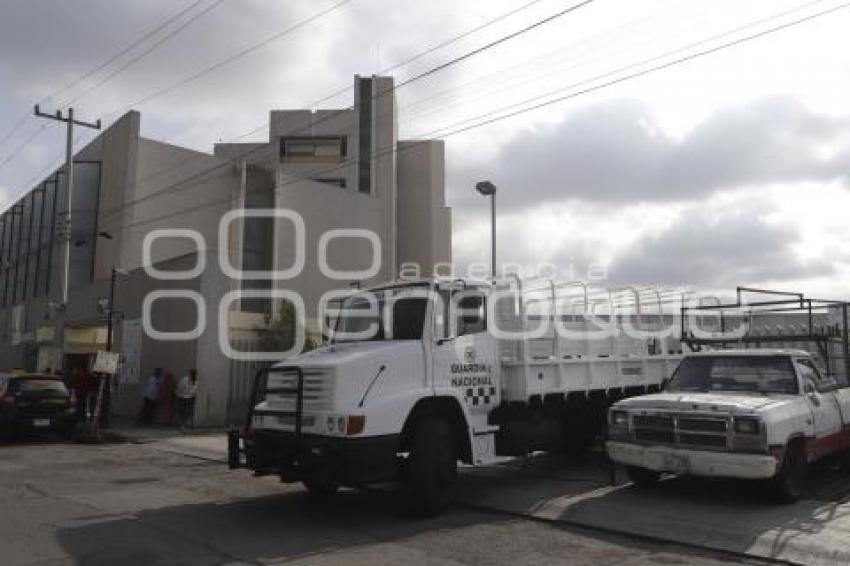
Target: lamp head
point(486, 188)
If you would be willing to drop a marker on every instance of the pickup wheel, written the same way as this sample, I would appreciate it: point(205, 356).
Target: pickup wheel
point(321, 488)
point(787, 485)
point(432, 466)
point(642, 477)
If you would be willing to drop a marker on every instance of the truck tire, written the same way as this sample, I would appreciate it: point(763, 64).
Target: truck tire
point(787, 485)
point(321, 488)
point(642, 477)
point(432, 466)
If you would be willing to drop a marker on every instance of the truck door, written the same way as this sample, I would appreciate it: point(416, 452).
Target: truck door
point(465, 353)
point(821, 396)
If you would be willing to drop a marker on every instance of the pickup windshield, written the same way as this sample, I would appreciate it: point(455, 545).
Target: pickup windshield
point(387, 314)
point(756, 374)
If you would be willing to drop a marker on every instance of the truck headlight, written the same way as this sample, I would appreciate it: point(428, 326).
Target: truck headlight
point(619, 418)
point(747, 425)
point(618, 425)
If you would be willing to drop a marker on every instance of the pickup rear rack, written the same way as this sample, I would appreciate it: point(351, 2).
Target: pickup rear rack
point(821, 322)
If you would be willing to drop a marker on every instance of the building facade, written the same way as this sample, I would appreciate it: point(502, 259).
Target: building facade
point(368, 204)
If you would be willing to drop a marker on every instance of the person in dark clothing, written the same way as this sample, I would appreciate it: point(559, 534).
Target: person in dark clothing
point(150, 396)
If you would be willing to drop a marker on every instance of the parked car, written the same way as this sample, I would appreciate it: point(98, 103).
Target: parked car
point(31, 402)
point(748, 413)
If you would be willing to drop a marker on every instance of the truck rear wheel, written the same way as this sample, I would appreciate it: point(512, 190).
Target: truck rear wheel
point(432, 466)
point(643, 477)
point(787, 485)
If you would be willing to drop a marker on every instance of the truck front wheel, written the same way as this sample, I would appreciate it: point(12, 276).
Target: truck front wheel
point(787, 485)
point(432, 466)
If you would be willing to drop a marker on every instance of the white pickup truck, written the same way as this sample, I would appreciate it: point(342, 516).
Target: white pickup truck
point(748, 413)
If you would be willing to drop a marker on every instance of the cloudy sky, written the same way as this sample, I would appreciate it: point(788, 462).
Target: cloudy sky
point(726, 169)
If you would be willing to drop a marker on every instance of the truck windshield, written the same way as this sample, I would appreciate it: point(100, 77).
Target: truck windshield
point(757, 374)
point(389, 314)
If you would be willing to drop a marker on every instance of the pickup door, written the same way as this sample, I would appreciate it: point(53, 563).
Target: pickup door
point(830, 408)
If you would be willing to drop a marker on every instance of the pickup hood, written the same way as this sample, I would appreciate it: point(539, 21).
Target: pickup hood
point(726, 403)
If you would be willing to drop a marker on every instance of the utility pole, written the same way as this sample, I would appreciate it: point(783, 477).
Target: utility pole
point(69, 182)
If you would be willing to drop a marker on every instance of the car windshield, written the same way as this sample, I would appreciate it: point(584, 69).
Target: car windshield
point(41, 386)
point(757, 374)
point(386, 314)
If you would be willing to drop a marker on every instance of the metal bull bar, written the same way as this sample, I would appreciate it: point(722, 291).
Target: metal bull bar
point(234, 448)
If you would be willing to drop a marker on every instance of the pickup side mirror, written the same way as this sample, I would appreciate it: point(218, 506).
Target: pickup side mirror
point(811, 392)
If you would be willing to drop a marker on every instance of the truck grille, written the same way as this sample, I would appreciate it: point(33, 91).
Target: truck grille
point(684, 431)
point(282, 386)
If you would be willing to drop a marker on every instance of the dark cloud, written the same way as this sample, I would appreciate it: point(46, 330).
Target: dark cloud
point(716, 248)
point(617, 153)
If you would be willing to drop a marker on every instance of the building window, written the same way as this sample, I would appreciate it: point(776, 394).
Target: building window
point(84, 223)
point(32, 229)
point(313, 149)
point(336, 182)
point(364, 137)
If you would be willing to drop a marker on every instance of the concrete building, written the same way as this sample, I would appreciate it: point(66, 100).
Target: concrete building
point(337, 169)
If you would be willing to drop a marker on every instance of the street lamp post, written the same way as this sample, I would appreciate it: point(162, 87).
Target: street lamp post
point(104, 392)
point(488, 189)
point(109, 314)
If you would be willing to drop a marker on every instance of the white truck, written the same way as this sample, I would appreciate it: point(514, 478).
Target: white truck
point(745, 412)
point(420, 375)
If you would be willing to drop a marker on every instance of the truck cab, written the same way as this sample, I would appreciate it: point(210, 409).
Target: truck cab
point(740, 413)
point(408, 376)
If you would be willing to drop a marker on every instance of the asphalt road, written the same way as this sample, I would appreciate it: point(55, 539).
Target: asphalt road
point(131, 504)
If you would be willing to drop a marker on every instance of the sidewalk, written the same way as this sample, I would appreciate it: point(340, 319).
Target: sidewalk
point(204, 443)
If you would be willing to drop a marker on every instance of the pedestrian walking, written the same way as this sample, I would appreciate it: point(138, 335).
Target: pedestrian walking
point(187, 390)
point(150, 396)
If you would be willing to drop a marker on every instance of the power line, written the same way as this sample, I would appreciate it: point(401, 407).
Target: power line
point(99, 67)
point(546, 73)
point(635, 75)
point(169, 36)
point(21, 121)
point(103, 65)
point(408, 81)
point(235, 56)
point(23, 146)
point(594, 88)
point(130, 47)
point(147, 51)
point(499, 41)
point(441, 45)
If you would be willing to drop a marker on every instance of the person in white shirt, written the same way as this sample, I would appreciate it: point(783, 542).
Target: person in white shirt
point(187, 389)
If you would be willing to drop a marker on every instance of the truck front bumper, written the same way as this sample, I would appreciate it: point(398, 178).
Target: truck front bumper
point(343, 460)
point(695, 462)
